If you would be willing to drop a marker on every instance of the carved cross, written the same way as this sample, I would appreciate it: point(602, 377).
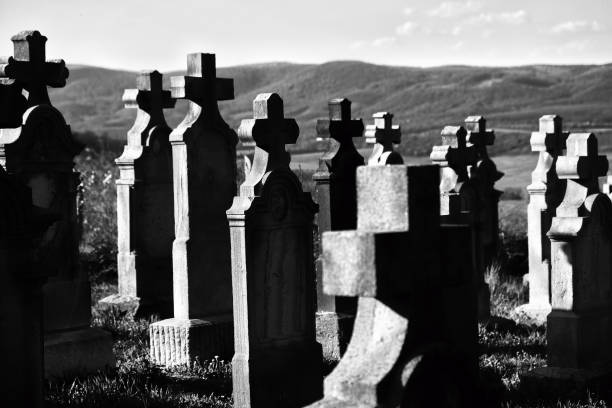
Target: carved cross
point(478, 135)
point(339, 126)
point(550, 137)
point(29, 66)
point(271, 131)
point(383, 134)
point(201, 85)
point(454, 151)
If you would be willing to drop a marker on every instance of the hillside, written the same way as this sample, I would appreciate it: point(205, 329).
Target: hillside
point(422, 99)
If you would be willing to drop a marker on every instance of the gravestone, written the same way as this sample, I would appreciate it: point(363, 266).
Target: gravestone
point(21, 301)
point(145, 217)
point(484, 174)
point(411, 346)
point(204, 174)
point(578, 327)
point(460, 202)
point(383, 134)
point(41, 155)
point(336, 195)
point(277, 361)
point(545, 194)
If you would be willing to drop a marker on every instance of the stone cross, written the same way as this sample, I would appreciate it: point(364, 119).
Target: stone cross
point(204, 183)
point(484, 174)
point(545, 194)
point(398, 225)
point(383, 134)
point(40, 154)
point(581, 252)
point(30, 67)
point(144, 205)
point(273, 274)
point(335, 192)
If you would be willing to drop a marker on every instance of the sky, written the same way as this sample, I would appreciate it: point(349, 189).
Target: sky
point(147, 34)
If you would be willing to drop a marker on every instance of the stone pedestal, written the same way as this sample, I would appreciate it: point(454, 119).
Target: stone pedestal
point(277, 361)
point(545, 194)
point(204, 174)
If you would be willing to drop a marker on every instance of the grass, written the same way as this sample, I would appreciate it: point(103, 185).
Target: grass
point(508, 346)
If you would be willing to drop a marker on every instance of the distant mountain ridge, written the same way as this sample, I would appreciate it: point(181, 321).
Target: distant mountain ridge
point(423, 100)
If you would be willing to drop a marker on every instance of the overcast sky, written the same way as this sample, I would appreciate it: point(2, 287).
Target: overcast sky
point(143, 34)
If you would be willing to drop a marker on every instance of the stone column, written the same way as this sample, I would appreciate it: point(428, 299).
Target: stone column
point(545, 194)
point(408, 345)
point(383, 135)
point(204, 174)
point(336, 194)
point(41, 156)
point(277, 361)
point(145, 224)
point(578, 330)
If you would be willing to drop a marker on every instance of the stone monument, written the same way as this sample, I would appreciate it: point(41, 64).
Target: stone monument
point(383, 135)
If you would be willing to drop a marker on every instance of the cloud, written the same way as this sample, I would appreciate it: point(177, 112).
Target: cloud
point(576, 27)
point(408, 11)
point(509, 17)
point(357, 44)
point(458, 45)
point(383, 41)
point(407, 28)
point(455, 8)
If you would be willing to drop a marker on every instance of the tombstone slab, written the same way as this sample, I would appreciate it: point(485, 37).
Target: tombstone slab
point(578, 327)
point(41, 156)
point(204, 174)
point(404, 331)
point(336, 194)
point(545, 194)
point(383, 135)
point(277, 361)
point(145, 216)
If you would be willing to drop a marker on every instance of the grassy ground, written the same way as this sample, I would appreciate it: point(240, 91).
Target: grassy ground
point(508, 346)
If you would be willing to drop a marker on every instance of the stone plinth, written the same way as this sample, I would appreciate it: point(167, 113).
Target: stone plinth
point(336, 194)
point(579, 328)
point(545, 194)
point(277, 361)
point(204, 173)
point(416, 319)
point(41, 156)
point(145, 217)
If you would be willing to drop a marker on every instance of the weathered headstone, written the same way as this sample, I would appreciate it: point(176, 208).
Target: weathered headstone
point(383, 135)
point(41, 156)
point(145, 217)
point(484, 174)
point(460, 202)
point(578, 330)
point(277, 361)
point(21, 345)
point(336, 194)
point(545, 194)
point(204, 173)
point(409, 344)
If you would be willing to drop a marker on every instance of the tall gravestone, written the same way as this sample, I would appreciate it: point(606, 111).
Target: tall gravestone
point(145, 217)
point(41, 156)
point(579, 327)
point(409, 345)
point(484, 174)
point(21, 302)
point(336, 195)
point(383, 135)
point(204, 174)
point(277, 361)
point(545, 194)
point(460, 202)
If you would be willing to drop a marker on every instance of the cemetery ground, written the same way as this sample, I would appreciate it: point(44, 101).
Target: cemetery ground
point(508, 345)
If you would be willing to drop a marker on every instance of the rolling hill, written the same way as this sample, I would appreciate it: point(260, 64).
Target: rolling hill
point(422, 99)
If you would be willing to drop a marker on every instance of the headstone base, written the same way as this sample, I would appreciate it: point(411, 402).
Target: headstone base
point(133, 306)
point(77, 352)
point(535, 312)
point(334, 333)
point(187, 341)
point(559, 382)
